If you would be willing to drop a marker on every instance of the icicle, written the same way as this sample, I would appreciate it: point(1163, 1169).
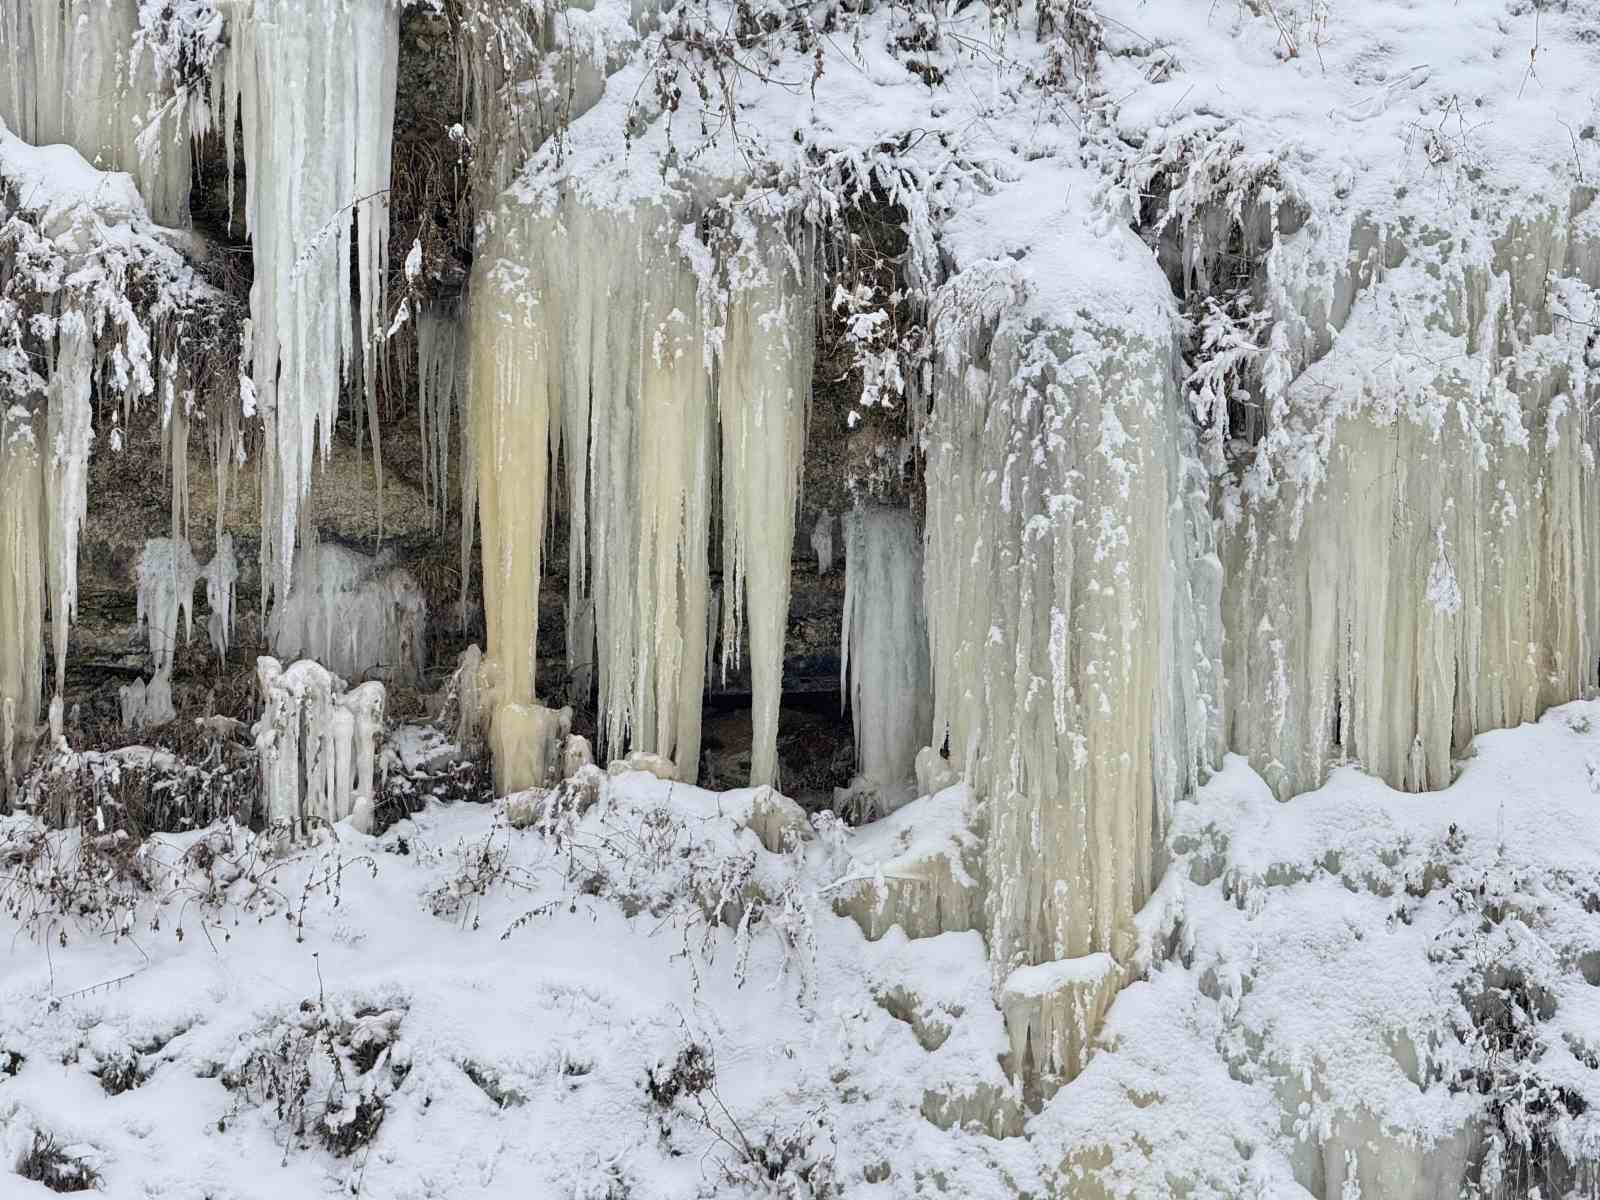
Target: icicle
point(441, 394)
point(822, 542)
point(884, 651)
point(70, 73)
point(166, 575)
point(286, 58)
point(69, 435)
point(357, 615)
point(22, 591)
point(222, 578)
point(764, 395)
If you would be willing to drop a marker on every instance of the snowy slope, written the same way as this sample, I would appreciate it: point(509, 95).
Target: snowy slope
point(1311, 969)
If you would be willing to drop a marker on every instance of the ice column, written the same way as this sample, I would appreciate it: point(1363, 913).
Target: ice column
point(884, 649)
point(22, 590)
point(1416, 558)
point(313, 83)
point(1071, 609)
point(764, 398)
point(318, 745)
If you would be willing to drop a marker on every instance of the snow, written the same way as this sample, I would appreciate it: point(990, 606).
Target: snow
point(528, 1012)
point(1315, 953)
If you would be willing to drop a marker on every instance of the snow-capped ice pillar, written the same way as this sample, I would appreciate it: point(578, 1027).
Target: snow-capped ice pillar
point(764, 398)
point(313, 83)
point(1071, 605)
point(77, 72)
point(1417, 557)
point(22, 588)
point(884, 648)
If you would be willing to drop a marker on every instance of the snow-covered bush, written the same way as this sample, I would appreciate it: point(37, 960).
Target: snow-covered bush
point(797, 1164)
point(325, 1071)
point(48, 1162)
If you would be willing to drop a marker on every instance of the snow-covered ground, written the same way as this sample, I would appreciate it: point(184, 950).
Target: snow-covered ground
point(634, 997)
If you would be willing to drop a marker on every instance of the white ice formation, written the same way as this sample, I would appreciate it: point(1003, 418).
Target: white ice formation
point(1068, 580)
point(167, 574)
point(311, 85)
point(22, 591)
point(359, 616)
point(822, 541)
point(89, 74)
point(318, 746)
point(1424, 564)
point(884, 649)
point(441, 403)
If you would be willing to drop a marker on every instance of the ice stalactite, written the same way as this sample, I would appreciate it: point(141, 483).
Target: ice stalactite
point(69, 434)
point(357, 615)
point(764, 399)
point(822, 542)
point(318, 746)
point(83, 74)
point(222, 582)
point(612, 342)
point(1071, 600)
point(1414, 559)
point(167, 575)
point(313, 83)
point(884, 652)
point(441, 397)
point(611, 373)
point(22, 590)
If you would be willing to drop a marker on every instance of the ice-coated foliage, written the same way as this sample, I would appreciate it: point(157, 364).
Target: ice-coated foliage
point(318, 746)
point(101, 77)
point(92, 299)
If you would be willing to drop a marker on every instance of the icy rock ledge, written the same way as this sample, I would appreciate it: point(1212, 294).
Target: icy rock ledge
point(920, 868)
